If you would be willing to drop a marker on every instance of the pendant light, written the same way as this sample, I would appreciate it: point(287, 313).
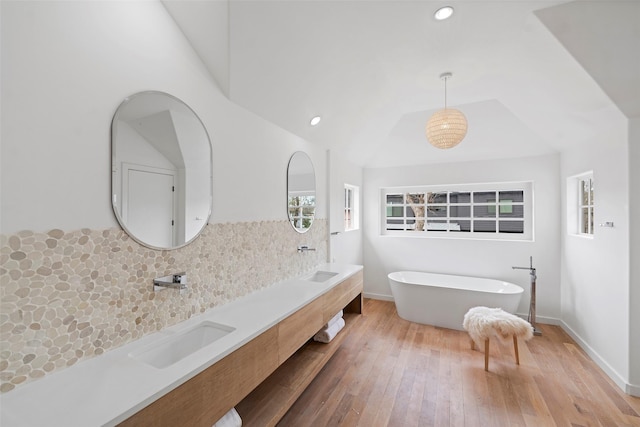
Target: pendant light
point(447, 127)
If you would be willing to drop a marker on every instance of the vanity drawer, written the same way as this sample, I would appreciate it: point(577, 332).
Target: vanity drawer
point(296, 329)
point(340, 296)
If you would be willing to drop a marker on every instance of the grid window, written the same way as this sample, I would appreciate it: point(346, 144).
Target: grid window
point(499, 211)
point(586, 206)
point(351, 210)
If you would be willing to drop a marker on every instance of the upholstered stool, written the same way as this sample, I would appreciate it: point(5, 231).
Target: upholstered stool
point(482, 323)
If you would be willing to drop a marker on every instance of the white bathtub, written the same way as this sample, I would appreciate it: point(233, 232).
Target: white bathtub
point(442, 299)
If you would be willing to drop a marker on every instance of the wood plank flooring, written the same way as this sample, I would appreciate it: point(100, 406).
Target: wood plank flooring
point(390, 372)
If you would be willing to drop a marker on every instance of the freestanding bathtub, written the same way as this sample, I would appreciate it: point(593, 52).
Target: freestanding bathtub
point(442, 299)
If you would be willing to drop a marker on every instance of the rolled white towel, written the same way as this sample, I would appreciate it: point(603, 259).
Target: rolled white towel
point(326, 335)
point(230, 419)
point(334, 319)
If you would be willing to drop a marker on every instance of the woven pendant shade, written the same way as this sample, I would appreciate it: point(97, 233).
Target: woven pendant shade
point(446, 128)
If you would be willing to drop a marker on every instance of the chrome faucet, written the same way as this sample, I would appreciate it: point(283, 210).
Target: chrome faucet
point(532, 304)
point(305, 248)
point(172, 281)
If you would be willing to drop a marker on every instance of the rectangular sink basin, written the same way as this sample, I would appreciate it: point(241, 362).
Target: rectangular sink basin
point(177, 347)
point(321, 276)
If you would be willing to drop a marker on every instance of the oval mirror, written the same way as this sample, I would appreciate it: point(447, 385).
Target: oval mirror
point(301, 192)
point(161, 170)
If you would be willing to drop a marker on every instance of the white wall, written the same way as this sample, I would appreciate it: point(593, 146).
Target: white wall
point(345, 247)
point(595, 272)
point(482, 258)
point(212, 18)
point(634, 256)
point(66, 66)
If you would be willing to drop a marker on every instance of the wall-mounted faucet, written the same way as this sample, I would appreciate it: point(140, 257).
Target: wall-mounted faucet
point(172, 281)
point(305, 248)
point(532, 304)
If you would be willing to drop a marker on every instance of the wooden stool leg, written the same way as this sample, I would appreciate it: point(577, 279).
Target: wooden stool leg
point(486, 354)
point(473, 344)
point(515, 347)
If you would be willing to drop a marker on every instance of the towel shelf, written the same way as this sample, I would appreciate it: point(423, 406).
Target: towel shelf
point(271, 400)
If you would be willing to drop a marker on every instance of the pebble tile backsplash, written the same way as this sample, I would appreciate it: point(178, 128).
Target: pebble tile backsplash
point(68, 296)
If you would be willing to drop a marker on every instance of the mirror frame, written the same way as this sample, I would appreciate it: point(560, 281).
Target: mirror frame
point(313, 170)
point(114, 169)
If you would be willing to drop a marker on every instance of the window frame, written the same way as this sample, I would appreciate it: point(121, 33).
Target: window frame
point(449, 230)
point(351, 207)
point(589, 206)
point(573, 205)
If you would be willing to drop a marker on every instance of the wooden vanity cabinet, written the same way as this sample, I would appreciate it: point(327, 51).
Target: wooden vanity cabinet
point(205, 398)
point(296, 329)
point(346, 296)
point(264, 377)
point(271, 400)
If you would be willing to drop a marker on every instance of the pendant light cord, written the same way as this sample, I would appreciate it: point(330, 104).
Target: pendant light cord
point(445, 93)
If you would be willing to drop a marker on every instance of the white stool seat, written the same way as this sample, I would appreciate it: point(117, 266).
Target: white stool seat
point(482, 323)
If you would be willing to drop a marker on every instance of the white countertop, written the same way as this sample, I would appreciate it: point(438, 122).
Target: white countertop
point(107, 389)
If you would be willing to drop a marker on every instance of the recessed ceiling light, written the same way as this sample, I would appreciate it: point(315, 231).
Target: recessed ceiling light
point(443, 13)
point(315, 120)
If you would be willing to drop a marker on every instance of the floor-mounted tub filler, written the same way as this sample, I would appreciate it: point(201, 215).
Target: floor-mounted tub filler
point(443, 299)
point(532, 302)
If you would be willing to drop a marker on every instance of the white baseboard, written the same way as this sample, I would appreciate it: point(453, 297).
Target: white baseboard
point(542, 319)
point(631, 389)
point(377, 296)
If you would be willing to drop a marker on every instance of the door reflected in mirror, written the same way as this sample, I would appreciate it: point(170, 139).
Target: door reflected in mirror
point(301, 192)
point(161, 170)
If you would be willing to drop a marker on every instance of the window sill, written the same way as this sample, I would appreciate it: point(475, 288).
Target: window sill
point(459, 237)
point(581, 236)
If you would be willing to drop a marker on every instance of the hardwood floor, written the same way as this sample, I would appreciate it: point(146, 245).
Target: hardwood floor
point(390, 372)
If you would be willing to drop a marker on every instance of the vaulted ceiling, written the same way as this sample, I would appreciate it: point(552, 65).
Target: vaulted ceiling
point(532, 77)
